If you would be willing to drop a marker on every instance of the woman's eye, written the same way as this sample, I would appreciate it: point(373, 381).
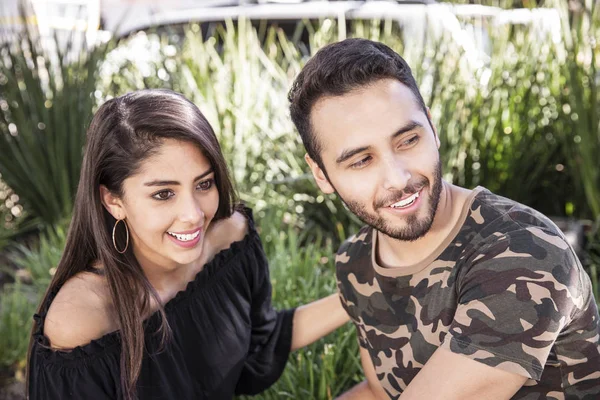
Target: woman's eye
point(361, 163)
point(163, 195)
point(205, 185)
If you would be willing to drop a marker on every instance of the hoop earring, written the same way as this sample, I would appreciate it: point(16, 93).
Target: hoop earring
point(126, 232)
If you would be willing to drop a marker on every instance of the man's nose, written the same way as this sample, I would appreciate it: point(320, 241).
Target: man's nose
point(396, 174)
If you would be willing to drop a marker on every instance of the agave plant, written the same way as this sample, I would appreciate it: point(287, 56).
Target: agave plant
point(46, 102)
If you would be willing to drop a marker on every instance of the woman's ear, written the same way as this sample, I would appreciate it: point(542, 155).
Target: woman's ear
point(112, 203)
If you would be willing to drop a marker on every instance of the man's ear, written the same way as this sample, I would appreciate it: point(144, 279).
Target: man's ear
point(319, 175)
point(112, 203)
point(437, 137)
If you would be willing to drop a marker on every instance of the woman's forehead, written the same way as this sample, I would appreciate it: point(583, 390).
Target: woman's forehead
point(174, 158)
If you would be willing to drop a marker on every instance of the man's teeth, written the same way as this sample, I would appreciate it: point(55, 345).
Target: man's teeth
point(185, 238)
point(406, 202)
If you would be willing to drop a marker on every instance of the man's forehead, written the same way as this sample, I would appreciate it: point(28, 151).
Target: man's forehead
point(350, 119)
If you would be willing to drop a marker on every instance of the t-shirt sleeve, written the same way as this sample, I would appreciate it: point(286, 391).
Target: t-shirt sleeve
point(514, 299)
point(356, 284)
point(271, 337)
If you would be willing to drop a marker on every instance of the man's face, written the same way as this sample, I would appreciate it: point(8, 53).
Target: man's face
point(381, 157)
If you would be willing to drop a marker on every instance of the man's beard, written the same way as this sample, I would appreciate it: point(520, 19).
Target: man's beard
point(415, 227)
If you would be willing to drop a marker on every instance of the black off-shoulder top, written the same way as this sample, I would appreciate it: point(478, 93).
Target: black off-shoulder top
point(226, 339)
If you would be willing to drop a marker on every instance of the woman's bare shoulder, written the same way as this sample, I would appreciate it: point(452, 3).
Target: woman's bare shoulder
point(80, 312)
point(227, 231)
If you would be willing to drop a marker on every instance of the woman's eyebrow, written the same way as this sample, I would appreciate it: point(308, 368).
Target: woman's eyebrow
point(175, 183)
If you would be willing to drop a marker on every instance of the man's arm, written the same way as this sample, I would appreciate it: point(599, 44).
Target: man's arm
point(369, 389)
point(446, 376)
point(451, 376)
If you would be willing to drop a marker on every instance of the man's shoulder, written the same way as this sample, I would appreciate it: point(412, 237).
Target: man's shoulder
point(521, 244)
point(356, 245)
point(497, 219)
point(514, 243)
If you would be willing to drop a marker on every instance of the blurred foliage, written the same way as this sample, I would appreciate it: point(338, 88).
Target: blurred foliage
point(31, 268)
point(580, 79)
point(17, 306)
point(301, 274)
point(46, 102)
point(36, 263)
point(7, 217)
point(592, 258)
point(10, 209)
point(498, 127)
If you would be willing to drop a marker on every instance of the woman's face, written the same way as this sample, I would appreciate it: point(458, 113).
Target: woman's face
point(168, 205)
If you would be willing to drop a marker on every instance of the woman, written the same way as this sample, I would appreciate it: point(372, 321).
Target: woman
point(163, 289)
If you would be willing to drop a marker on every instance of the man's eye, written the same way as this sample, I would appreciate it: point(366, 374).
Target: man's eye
point(410, 141)
point(361, 163)
point(206, 185)
point(163, 195)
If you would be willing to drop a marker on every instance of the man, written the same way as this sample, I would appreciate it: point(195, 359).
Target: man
point(455, 293)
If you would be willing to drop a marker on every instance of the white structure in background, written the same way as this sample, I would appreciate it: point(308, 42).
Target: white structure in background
point(54, 18)
point(466, 25)
point(64, 16)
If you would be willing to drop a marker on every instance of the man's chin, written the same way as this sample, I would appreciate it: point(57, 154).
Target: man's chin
point(409, 230)
point(406, 235)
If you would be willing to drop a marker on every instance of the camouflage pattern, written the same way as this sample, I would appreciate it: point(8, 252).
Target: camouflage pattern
point(505, 289)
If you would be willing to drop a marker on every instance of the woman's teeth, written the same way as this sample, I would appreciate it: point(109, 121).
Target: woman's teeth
point(185, 238)
point(406, 202)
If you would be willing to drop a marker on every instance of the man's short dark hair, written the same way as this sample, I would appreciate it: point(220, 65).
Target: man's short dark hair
point(336, 70)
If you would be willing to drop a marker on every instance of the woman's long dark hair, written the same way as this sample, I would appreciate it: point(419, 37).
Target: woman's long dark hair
point(124, 132)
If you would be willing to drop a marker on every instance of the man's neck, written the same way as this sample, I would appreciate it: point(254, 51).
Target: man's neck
point(391, 252)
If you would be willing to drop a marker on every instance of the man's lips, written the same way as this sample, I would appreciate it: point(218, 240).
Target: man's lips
point(396, 199)
point(406, 201)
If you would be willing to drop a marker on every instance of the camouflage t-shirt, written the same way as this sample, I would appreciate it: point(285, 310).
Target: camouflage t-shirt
point(505, 289)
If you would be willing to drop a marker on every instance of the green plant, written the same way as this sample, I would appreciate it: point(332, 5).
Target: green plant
point(39, 261)
point(579, 96)
point(10, 209)
point(18, 301)
point(592, 258)
point(46, 101)
point(17, 306)
point(301, 274)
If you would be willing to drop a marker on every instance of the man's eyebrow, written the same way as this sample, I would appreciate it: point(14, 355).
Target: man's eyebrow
point(407, 128)
point(175, 183)
point(349, 153)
